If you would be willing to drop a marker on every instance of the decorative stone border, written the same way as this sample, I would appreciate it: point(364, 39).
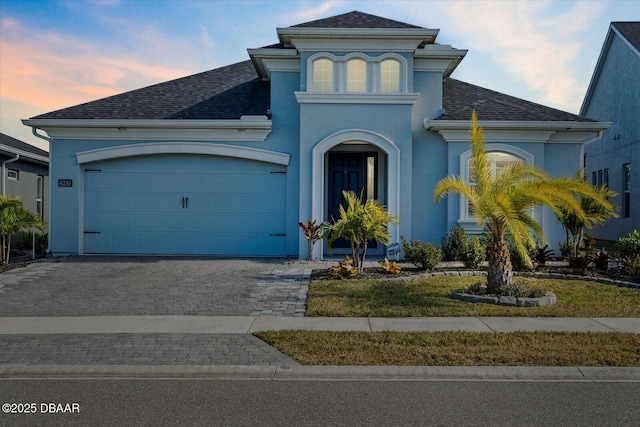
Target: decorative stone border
point(548, 299)
point(538, 275)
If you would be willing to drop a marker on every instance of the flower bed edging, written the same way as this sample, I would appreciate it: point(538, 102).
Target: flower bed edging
point(548, 299)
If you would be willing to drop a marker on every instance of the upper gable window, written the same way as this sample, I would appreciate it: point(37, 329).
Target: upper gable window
point(390, 76)
point(323, 75)
point(356, 75)
point(357, 72)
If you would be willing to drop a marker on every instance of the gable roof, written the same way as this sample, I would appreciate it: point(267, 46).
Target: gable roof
point(12, 146)
point(629, 32)
point(459, 99)
point(222, 93)
point(355, 19)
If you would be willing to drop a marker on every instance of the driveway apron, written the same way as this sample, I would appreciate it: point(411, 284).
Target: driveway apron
point(118, 286)
point(155, 286)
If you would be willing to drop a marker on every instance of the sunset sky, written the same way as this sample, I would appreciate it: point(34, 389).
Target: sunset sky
point(54, 54)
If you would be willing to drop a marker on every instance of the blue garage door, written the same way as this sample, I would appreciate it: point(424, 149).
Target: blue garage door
point(185, 205)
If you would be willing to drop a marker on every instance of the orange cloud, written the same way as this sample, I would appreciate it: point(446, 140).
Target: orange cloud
point(50, 72)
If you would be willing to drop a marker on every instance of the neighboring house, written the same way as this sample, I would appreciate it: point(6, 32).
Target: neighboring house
point(25, 174)
point(614, 96)
point(226, 162)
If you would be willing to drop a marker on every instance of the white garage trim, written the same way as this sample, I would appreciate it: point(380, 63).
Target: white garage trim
point(183, 148)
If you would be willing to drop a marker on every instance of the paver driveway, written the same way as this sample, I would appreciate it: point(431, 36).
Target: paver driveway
point(112, 286)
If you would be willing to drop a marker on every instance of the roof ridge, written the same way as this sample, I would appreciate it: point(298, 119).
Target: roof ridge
point(355, 19)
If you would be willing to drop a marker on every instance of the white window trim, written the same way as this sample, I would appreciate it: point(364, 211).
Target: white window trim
point(373, 71)
point(15, 173)
point(527, 158)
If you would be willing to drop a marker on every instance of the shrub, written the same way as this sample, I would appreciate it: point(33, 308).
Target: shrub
point(478, 288)
point(345, 269)
point(474, 252)
point(517, 262)
point(629, 253)
point(540, 255)
point(520, 289)
point(580, 263)
point(601, 260)
point(390, 266)
point(421, 254)
point(453, 244)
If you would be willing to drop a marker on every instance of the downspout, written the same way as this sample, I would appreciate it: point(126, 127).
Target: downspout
point(34, 130)
point(595, 138)
point(4, 173)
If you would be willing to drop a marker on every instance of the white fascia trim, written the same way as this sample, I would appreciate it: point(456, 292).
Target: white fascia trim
point(356, 45)
point(24, 155)
point(438, 125)
point(356, 98)
point(438, 58)
point(249, 153)
point(294, 35)
point(263, 56)
point(502, 135)
point(248, 128)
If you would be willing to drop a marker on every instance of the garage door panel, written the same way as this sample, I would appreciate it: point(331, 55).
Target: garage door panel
point(235, 207)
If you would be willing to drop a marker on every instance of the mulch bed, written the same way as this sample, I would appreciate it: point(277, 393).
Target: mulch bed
point(408, 270)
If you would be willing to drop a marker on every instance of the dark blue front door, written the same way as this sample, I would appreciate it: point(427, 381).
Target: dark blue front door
point(348, 172)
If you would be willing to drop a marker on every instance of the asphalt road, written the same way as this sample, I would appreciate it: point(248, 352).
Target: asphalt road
point(186, 402)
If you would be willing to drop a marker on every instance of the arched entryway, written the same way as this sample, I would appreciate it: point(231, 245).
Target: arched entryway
point(357, 160)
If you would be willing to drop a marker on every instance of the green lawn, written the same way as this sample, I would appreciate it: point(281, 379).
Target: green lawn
point(429, 296)
point(457, 348)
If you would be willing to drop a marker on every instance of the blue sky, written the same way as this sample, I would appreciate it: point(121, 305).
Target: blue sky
point(54, 54)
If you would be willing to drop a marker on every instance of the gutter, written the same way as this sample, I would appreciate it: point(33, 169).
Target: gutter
point(4, 173)
point(595, 138)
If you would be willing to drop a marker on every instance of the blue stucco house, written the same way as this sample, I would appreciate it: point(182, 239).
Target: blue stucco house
point(226, 162)
point(614, 96)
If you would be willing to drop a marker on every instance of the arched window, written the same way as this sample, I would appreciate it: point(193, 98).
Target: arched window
point(389, 76)
point(356, 75)
point(323, 75)
point(499, 157)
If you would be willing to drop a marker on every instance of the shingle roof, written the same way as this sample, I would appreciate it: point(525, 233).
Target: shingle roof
point(459, 99)
point(19, 145)
point(223, 93)
point(631, 31)
point(355, 19)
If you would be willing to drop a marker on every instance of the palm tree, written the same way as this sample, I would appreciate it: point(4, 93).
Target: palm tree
point(595, 213)
point(503, 204)
point(359, 223)
point(13, 218)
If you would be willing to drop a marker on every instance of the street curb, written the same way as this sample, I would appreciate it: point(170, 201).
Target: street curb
point(354, 373)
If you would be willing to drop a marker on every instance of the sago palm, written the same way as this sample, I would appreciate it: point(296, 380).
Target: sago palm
point(503, 204)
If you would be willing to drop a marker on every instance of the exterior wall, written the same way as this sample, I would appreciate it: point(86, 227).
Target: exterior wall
point(26, 186)
point(616, 99)
point(428, 221)
point(284, 137)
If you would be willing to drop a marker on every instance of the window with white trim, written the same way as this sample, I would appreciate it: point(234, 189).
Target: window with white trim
point(323, 75)
point(389, 76)
point(626, 190)
point(40, 196)
point(357, 73)
point(499, 156)
point(13, 174)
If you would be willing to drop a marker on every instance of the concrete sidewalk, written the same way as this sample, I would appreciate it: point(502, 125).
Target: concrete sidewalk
point(223, 348)
point(250, 324)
